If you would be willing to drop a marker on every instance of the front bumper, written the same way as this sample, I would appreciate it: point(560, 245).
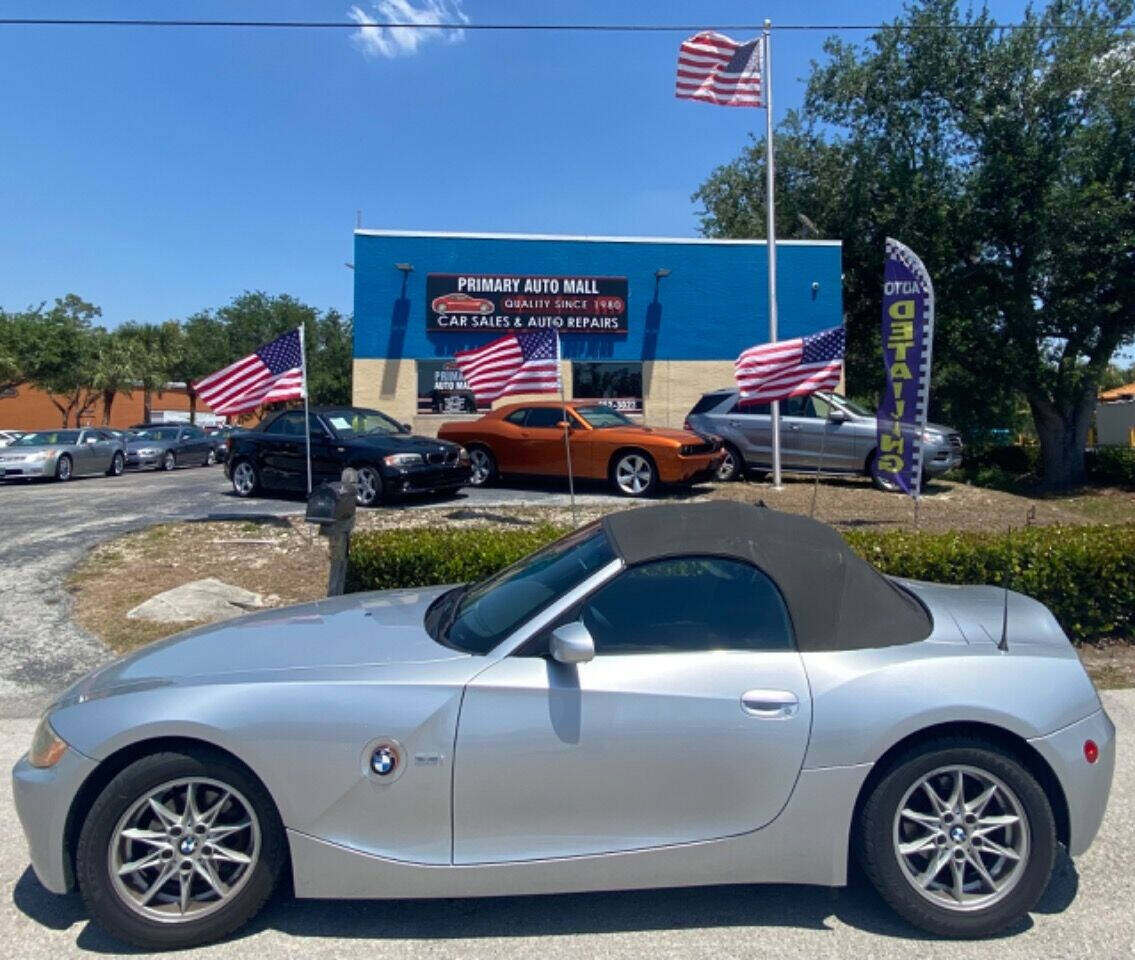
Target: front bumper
point(425, 478)
point(1086, 785)
point(137, 461)
point(693, 469)
point(939, 457)
point(13, 469)
point(43, 799)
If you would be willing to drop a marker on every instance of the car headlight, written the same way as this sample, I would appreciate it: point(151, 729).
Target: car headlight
point(933, 436)
point(462, 455)
point(148, 452)
point(402, 459)
point(47, 747)
point(40, 455)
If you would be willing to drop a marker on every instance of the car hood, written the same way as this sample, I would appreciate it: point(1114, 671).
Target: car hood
point(11, 449)
point(643, 434)
point(401, 443)
point(359, 629)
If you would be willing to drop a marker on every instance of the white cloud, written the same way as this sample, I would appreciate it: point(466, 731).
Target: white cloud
point(375, 39)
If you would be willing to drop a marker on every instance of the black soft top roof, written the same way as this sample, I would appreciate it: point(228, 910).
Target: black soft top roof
point(837, 601)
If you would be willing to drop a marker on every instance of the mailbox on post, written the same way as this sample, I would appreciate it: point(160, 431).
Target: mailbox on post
point(332, 506)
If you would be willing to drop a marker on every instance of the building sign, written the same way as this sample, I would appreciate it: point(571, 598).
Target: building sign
point(442, 389)
point(464, 302)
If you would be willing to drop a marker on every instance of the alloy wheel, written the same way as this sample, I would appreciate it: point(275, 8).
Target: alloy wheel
point(961, 838)
point(184, 849)
point(482, 466)
point(169, 461)
point(63, 469)
point(727, 469)
point(211, 458)
point(369, 486)
point(244, 478)
point(633, 474)
point(117, 465)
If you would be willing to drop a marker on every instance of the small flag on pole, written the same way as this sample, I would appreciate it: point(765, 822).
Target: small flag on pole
point(790, 368)
point(716, 69)
point(514, 363)
point(276, 371)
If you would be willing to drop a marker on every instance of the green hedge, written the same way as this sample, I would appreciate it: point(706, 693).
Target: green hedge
point(1085, 575)
point(1111, 466)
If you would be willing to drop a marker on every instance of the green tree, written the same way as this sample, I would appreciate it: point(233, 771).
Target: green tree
point(113, 368)
point(57, 353)
point(156, 351)
point(204, 349)
point(1006, 158)
point(330, 354)
point(15, 336)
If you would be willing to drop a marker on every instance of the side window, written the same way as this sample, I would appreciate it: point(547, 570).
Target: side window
point(795, 407)
point(760, 409)
point(688, 604)
point(286, 424)
point(544, 416)
point(817, 407)
point(517, 416)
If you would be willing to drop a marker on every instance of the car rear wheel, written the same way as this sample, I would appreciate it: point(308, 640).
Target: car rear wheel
point(244, 479)
point(169, 460)
point(959, 838)
point(633, 474)
point(732, 466)
point(210, 458)
point(369, 487)
point(179, 849)
point(483, 465)
point(64, 468)
point(117, 465)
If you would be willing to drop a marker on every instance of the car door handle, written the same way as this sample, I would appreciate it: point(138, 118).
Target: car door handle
point(794, 426)
point(734, 423)
point(770, 704)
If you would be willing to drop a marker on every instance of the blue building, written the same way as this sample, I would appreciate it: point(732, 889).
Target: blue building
point(647, 323)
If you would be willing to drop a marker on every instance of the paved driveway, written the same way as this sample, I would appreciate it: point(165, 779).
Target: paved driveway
point(45, 528)
point(1085, 913)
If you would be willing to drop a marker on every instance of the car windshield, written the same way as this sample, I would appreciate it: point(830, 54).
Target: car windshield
point(600, 415)
point(41, 437)
point(476, 618)
point(358, 423)
point(158, 433)
point(857, 408)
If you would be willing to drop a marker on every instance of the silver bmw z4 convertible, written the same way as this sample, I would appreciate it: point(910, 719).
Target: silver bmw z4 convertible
point(673, 696)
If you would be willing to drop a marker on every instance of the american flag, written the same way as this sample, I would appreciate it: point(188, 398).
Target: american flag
point(716, 69)
point(790, 368)
point(274, 372)
point(514, 363)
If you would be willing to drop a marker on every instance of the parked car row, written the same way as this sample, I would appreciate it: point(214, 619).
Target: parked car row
point(63, 454)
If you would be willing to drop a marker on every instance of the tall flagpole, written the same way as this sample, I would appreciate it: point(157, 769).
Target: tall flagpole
point(770, 205)
point(306, 418)
point(567, 429)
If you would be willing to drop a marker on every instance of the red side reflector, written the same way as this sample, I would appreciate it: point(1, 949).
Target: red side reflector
point(1091, 751)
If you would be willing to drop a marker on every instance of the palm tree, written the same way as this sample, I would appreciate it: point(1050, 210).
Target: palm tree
point(114, 369)
point(156, 348)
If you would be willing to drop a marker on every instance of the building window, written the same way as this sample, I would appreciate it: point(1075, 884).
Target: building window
point(442, 389)
point(617, 384)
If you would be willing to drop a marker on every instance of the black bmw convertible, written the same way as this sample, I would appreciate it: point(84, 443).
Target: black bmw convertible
point(389, 459)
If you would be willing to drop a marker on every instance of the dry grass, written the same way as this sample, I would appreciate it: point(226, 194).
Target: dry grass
point(286, 562)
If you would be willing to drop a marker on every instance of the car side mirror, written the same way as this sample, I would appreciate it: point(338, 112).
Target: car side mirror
point(406, 428)
point(571, 643)
point(564, 425)
point(835, 415)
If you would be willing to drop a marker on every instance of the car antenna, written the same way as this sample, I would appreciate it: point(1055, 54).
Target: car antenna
point(1003, 643)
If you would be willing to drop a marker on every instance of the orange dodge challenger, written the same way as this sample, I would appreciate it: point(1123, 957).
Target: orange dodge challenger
point(528, 438)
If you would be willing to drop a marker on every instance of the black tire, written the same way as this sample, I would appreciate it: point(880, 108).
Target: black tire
point(64, 468)
point(880, 829)
point(117, 465)
point(169, 461)
point(244, 478)
point(110, 908)
point(484, 465)
point(732, 467)
point(210, 458)
point(886, 486)
point(646, 484)
point(370, 488)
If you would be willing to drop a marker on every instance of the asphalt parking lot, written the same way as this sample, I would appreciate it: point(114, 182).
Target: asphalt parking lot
point(1085, 913)
point(45, 528)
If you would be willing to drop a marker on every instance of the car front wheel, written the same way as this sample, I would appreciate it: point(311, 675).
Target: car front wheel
point(959, 838)
point(117, 465)
point(484, 467)
point(732, 465)
point(64, 468)
point(179, 849)
point(633, 474)
point(882, 481)
point(244, 479)
point(169, 460)
point(368, 487)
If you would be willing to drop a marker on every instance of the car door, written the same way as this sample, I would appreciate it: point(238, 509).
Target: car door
point(542, 442)
point(751, 424)
point(86, 452)
point(508, 442)
point(690, 723)
point(194, 443)
point(281, 452)
point(809, 439)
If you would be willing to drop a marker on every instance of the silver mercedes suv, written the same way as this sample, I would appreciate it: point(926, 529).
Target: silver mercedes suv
point(823, 427)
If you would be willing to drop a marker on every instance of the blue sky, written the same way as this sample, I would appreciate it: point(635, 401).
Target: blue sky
point(158, 172)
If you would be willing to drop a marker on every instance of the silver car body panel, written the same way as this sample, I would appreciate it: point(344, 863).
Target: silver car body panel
point(91, 454)
point(523, 776)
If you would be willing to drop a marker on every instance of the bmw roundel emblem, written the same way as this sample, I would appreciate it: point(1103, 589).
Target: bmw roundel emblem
point(383, 761)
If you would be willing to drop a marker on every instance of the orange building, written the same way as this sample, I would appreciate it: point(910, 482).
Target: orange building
point(27, 408)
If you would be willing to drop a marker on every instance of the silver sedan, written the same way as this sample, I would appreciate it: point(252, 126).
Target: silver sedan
point(63, 454)
point(674, 696)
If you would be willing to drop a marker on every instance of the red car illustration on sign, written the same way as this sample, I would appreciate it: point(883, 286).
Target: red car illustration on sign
point(462, 303)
